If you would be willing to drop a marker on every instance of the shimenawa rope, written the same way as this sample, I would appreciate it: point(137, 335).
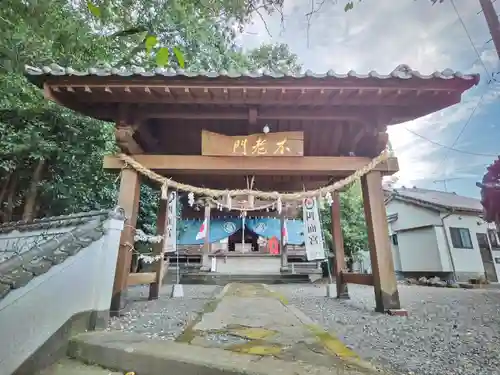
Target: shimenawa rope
point(215, 193)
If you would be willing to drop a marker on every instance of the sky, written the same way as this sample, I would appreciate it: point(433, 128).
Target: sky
point(382, 34)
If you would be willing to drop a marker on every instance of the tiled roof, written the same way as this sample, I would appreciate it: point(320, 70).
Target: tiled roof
point(438, 199)
point(21, 267)
point(401, 72)
point(51, 222)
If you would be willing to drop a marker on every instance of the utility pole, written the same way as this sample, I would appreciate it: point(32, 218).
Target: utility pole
point(492, 21)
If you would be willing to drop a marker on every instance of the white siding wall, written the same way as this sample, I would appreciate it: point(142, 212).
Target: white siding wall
point(411, 216)
point(418, 251)
point(466, 260)
point(444, 250)
point(30, 315)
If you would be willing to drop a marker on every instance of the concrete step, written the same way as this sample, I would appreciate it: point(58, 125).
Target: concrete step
point(72, 367)
point(210, 278)
point(134, 352)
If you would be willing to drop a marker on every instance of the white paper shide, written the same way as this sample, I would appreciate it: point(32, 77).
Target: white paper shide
point(170, 244)
point(313, 237)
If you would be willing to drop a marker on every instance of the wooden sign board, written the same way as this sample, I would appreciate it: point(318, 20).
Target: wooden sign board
point(271, 144)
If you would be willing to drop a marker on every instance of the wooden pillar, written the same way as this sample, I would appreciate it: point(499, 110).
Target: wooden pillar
point(205, 259)
point(161, 222)
point(338, 241)
point(384, 277)
point(283, 252)
point(128, 199)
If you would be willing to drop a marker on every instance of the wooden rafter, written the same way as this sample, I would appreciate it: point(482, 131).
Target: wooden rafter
point(276, 97)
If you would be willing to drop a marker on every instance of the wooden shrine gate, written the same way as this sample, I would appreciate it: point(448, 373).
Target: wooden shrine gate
point(288, 133)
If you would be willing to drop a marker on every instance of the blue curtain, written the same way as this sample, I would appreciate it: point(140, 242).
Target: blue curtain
point(270, 227)
point(219, 229)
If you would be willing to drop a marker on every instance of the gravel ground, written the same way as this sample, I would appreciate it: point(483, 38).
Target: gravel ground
point(166, 317)
point(448, 332)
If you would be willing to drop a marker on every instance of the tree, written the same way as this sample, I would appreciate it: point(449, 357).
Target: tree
point(352, 222)
point(51, 157)
point(275, 57)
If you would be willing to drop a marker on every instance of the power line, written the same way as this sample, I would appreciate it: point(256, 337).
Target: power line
point(470, 39)
point(462, 130)
point(448, 147)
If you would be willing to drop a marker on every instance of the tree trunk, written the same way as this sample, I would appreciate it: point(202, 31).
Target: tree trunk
point(31, 194)
point(5, 187)
point(10, 198)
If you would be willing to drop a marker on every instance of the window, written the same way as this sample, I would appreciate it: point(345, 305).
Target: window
point(394, 239)
point(493, 238)
point(497, 260)
point(460, 238)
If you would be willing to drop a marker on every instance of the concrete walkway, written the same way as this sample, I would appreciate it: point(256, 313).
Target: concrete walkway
point(252, 319)
point(248, 329)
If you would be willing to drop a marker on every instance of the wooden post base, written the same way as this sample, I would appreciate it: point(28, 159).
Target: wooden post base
point(397, 312)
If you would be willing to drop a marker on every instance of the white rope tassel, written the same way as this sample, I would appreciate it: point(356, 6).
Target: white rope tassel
point(164, 192)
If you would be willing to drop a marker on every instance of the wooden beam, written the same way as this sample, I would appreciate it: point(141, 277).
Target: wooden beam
point(384, 277)
point(125, 139)
point(357, 278)
point(128, 199)
point(224, 165)
point(345, 112)
point(125, 129)
point(140, 278)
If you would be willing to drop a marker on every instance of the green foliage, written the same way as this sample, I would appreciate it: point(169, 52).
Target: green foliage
point(275, 57)
point(51, 157)
point(352, 222)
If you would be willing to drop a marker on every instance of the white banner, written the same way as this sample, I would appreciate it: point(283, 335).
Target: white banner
point(313, 236)
point(170, 235)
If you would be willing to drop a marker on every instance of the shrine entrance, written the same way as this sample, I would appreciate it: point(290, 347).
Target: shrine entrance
point(294, 137)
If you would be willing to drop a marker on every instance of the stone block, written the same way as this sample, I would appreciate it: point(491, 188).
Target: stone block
point(177, 291)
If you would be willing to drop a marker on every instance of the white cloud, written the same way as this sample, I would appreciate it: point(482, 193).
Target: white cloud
point(379, 35)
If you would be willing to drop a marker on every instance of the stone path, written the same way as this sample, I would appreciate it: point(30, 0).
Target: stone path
point(252, 319)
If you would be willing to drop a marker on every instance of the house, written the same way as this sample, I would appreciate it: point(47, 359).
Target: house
point(435, 233)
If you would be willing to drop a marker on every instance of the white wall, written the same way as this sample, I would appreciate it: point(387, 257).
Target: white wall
point(444, 249)
point(411, 216)
point(466, 260)
point(248, 265)
point(419, 251)
point(30, 315)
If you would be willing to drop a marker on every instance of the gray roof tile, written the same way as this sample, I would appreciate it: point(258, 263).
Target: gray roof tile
point(51, 222)
point(18, 269)
point(439, 199)
point(401, 72)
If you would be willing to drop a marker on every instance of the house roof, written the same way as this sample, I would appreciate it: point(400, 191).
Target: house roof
point(403, 72)
point(29, 249)
point(437, 199)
